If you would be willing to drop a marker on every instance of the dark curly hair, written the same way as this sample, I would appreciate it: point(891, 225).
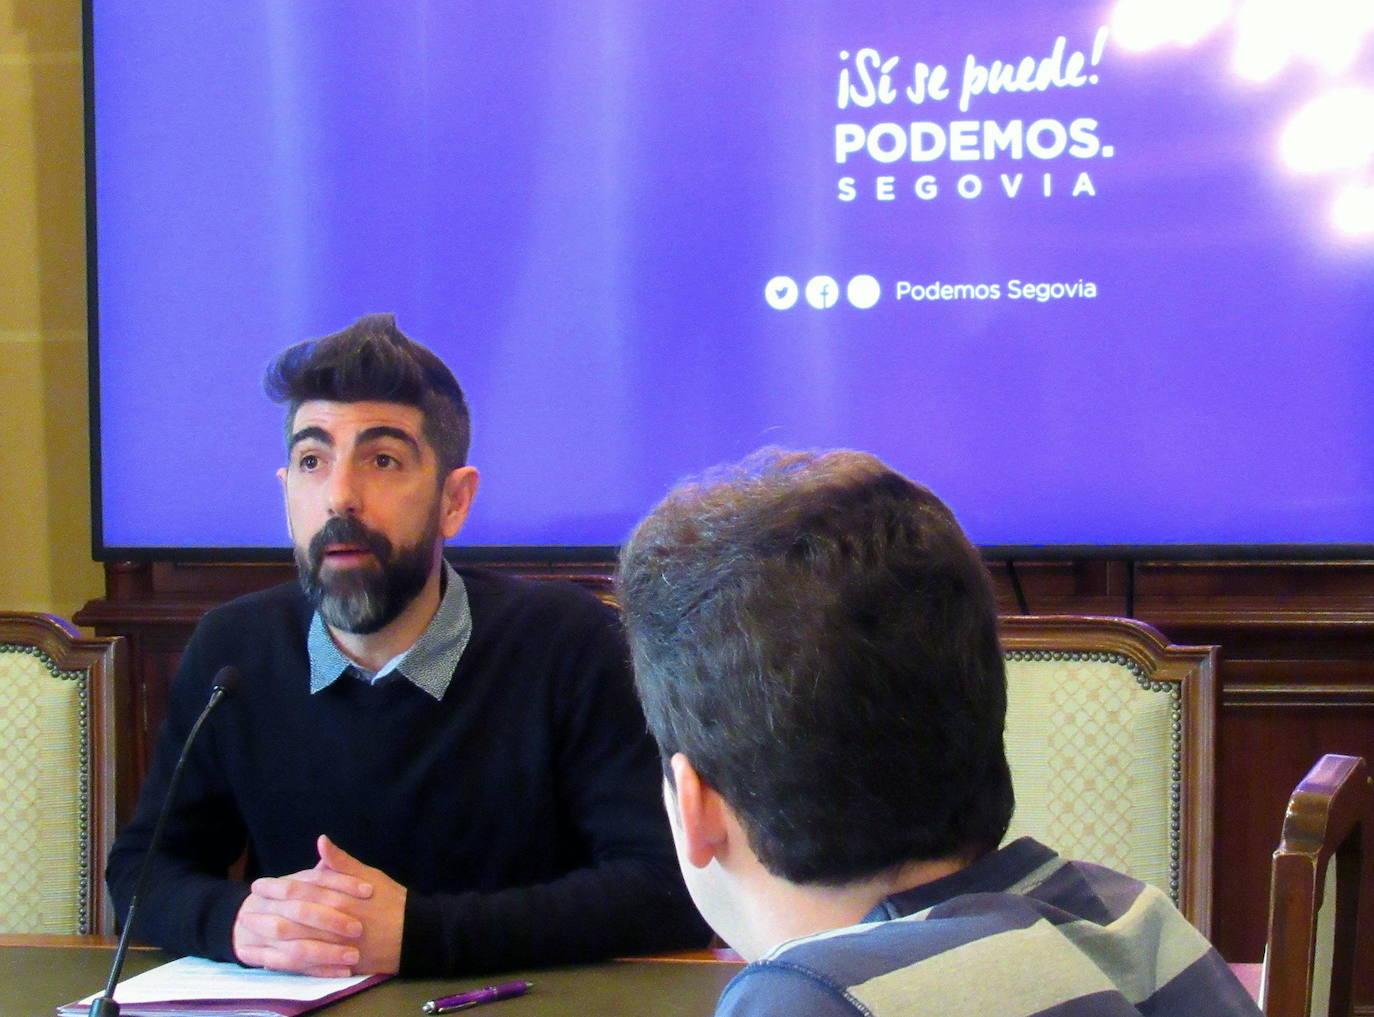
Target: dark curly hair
point(373, 360)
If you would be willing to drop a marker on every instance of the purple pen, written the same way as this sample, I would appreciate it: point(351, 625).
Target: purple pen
point(464, 1000)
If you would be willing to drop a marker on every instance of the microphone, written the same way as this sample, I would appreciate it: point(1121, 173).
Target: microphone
point(226, 681)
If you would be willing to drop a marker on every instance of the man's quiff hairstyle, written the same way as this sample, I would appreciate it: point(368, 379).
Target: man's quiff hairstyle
point(373, 361)
point(816, 634)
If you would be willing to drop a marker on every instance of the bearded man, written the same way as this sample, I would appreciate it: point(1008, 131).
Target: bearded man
point(424, 770)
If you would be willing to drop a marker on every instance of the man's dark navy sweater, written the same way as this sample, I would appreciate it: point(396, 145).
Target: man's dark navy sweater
point(522, 812)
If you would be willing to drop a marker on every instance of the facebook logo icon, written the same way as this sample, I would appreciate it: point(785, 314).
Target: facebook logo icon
point(822, 292)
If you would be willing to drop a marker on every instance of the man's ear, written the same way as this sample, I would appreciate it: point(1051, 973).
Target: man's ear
point(699, 814)
point(460, 487)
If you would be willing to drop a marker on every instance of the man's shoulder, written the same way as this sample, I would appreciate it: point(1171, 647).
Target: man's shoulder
point(894, 951)
point(493, 594)
point(284, 605)
point(781, 989)
point(261, 633)
point(549, 630)
point(274, 600)
point(876, 968)
point(919, 965)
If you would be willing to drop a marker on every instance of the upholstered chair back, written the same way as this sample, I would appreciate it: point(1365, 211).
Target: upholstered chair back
point(56, 763)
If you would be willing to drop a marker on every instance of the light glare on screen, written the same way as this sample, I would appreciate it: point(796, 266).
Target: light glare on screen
point(1332, 132)
point(1352, 213)
point(1139, 26)
point(1327, 35)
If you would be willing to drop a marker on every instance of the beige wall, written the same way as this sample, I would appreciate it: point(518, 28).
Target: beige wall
point(45, 558)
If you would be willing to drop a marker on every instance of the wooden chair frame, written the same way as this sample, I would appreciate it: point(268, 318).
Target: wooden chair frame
point(62, 647)
point(1190, 674)
point(1330, 812)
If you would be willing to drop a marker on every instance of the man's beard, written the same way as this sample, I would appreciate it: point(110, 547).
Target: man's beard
point(369, 597)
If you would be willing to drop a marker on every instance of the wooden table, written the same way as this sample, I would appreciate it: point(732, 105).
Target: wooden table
point(40, 973)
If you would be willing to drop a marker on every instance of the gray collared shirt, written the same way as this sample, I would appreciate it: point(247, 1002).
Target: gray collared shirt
point(428, 665)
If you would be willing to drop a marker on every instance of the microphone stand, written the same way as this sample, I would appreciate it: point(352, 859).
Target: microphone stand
point(104, 1005)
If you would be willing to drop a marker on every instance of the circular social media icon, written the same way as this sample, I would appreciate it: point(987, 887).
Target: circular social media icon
point(863, 291)
point(822, 292)
point(781, 292)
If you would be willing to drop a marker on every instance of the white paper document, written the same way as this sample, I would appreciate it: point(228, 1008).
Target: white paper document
point(197, 978)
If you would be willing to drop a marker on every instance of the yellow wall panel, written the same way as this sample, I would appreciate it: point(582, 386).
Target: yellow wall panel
point(45, 560)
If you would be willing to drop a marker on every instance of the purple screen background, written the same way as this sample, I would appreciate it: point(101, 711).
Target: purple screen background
point(578, 205)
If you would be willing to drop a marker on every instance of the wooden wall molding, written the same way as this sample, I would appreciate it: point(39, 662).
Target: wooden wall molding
point(1300, 697)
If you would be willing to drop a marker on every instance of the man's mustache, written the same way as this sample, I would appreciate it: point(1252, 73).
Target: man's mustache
point(347, 530)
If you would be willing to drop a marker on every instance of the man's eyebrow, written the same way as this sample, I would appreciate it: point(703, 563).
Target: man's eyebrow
point(317, 433)
point(387, 431)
